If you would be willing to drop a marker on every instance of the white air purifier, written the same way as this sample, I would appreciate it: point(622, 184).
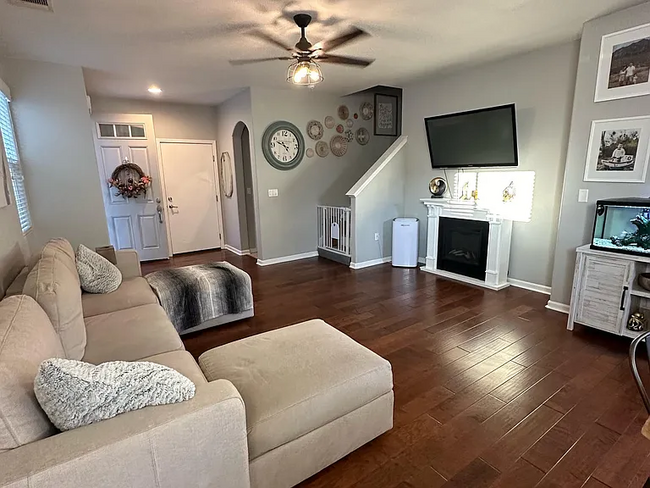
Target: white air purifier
point(405, 242)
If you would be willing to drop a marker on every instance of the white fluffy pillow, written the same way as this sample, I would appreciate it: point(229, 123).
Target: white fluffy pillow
point(73, 393)
point(96, 273)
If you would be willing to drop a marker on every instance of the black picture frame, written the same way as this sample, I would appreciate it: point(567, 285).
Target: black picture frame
point(392, 100)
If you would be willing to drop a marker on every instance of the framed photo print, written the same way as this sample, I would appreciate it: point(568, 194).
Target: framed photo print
point(624, 65)
point(385, 115)
point(618, 150)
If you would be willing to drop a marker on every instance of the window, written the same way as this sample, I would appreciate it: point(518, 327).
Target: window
point(15, 170)
point(122, 131)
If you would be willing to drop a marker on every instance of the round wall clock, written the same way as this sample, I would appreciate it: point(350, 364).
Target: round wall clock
point(322, 149)
point(283, 145)
point(367, 110)
point(339, 146)
point(344, 112)
point(363, 136)
point(330, 122)
point(315, 130)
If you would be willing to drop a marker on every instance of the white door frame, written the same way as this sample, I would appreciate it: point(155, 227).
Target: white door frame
point(217, 182)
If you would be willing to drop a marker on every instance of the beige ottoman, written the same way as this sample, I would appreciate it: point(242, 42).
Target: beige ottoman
point(312, 395)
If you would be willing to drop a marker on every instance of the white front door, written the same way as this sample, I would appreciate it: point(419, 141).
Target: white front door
point(133, 223)
point(191, 190)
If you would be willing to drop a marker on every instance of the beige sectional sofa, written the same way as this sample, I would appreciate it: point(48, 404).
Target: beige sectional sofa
point(269, 411)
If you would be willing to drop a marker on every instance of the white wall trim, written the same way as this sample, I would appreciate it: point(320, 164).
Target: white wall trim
point(376, 168)
point(286, 259)
point(527, 285)
point(558, 307)
point(236, 251)
point(374, 262)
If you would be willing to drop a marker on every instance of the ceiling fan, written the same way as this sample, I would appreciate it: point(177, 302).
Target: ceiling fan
point(305, 69)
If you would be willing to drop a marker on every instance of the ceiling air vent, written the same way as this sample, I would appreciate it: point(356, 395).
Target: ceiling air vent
point(39, 4)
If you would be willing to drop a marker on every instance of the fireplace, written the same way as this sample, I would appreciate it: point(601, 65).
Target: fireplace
point(463, 246)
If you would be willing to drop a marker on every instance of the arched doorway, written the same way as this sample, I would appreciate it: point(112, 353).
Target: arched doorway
point(244, 184)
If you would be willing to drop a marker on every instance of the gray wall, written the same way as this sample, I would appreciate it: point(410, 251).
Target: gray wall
point(288, 222)
point(170, 120)
point(541, 83)
point(54, 135)
point(576, 219)
point(13, 245)
point(374, 209)
point(228, 114)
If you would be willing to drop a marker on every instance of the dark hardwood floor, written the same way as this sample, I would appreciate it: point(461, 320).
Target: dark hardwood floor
point(491, 390)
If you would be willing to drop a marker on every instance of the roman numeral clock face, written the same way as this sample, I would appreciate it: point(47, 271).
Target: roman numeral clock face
point(283, 145)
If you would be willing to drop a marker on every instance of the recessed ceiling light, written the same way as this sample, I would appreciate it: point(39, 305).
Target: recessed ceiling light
point(154, 90)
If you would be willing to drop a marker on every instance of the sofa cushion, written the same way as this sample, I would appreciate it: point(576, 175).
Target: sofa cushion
point(181, 361)
point(26, 339)
point(56, 289)
point(132, 292)
point(297, 379)
point(129, 335)
point(62, 250)
point(96, 273)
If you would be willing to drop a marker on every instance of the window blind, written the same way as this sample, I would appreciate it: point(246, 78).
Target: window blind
point(13, 160)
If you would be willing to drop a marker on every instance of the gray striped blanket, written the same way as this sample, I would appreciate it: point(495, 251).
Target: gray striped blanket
point(195, 294)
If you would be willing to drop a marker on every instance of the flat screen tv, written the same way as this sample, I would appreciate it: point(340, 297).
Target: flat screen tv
point(478, 138)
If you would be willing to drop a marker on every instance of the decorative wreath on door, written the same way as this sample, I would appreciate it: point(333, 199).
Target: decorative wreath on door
point(129, 180)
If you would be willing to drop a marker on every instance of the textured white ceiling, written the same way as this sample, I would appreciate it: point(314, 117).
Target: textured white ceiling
point(184, 45)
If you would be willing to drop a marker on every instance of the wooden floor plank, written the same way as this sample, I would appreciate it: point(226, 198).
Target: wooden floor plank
point(490, 388)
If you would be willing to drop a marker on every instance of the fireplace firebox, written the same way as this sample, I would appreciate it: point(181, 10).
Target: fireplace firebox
point(463, 246)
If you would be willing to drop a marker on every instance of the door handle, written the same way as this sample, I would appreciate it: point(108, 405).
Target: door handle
point(173, 206)
point(159, 210)
point(625, 288)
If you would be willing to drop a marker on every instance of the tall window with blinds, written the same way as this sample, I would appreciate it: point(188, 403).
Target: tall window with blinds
point(13, 160)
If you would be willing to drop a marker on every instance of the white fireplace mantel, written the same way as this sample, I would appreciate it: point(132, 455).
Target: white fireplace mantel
point(500, 234)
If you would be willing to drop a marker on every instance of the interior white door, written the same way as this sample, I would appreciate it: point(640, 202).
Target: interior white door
point(192, 190)
point(133, 223)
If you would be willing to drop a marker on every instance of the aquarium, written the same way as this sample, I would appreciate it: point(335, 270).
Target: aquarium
point(622, 225)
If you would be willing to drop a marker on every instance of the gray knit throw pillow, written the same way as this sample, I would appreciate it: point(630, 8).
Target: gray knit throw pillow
point(96, 273)
point(73, 393)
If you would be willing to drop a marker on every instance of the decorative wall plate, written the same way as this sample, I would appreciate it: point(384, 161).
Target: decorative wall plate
point(315, 130)
point(226, 174)
point(356, 116)
point(349, 135)
point(344, 112)
point(363, 136)
point(367, 110)
point(283, 145)
point(349, 122)
point(339, 146)
point(310, 153)
point(322, 149)
point(340, 128)
point(330, 122)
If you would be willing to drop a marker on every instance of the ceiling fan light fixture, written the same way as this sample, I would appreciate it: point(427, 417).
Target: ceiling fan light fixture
point(305, 72)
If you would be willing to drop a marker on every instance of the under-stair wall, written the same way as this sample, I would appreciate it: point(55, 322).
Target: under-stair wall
point(376, 199)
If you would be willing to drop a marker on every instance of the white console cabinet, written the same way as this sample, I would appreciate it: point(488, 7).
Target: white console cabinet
point(605, 290)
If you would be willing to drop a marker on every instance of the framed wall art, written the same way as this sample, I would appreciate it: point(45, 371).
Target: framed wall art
point(624, 65)
point(618, 150)
point(386, 115)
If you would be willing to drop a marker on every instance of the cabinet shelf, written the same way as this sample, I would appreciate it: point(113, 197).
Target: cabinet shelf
point(637, 291)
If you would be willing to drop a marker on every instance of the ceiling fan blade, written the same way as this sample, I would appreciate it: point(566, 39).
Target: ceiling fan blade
point(268, 38)
point(329, 58)
point(239, 62)
point(339, 41)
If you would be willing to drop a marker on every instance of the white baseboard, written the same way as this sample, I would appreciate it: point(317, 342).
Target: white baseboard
point(526, 285)
point(286, 259)
point(422, 260)
point(374, 262)
point(235, 250)
point(558, 307)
